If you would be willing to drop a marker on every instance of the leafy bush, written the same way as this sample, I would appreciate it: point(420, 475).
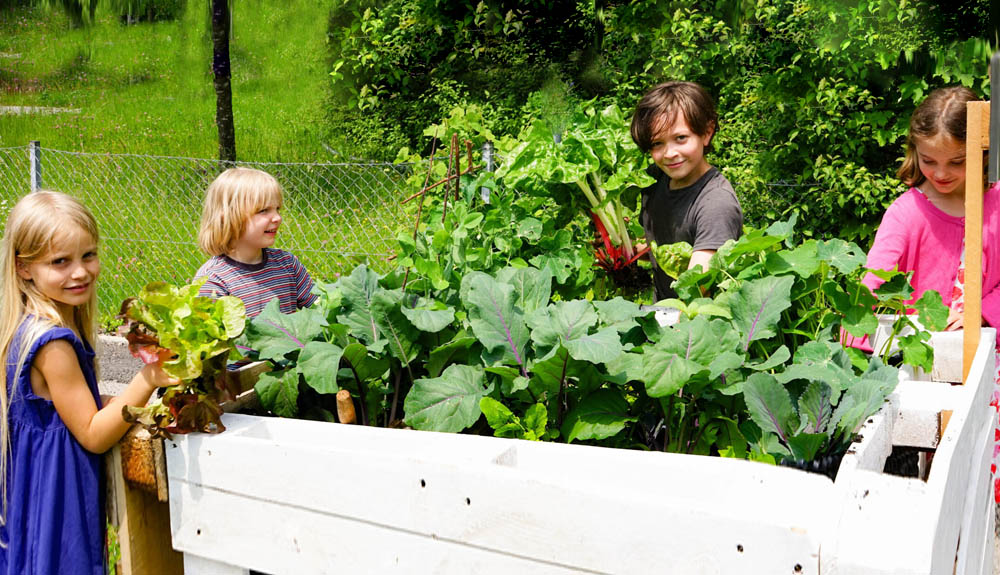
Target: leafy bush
point(814, 95)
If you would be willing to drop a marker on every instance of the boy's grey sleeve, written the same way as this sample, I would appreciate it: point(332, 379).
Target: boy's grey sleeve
point(719, 218)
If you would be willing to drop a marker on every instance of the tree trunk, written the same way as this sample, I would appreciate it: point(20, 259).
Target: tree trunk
point(223, 85)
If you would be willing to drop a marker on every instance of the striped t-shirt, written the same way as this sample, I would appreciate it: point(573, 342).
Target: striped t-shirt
point(278, 275)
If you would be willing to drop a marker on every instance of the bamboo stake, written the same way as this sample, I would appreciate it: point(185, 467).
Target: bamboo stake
point(977, 139)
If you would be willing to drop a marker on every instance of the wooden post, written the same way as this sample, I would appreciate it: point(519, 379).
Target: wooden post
point(977, 140)
point(137, 505)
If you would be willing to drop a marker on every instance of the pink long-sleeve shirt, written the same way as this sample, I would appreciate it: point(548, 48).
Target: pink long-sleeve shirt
point(917, 236)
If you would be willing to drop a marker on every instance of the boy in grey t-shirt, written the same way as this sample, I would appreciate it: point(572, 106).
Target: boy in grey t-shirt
point(691, 201)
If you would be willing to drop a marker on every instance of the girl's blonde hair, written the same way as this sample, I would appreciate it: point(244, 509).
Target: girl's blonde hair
point(943, 113)
point(32, 226)
point(230, 200)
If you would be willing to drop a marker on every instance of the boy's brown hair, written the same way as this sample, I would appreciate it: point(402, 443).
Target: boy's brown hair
point(661, 103)
point(942, 113)
point(230, 200)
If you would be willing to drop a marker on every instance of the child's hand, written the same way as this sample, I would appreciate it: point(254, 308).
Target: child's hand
point(954, 320)
point(154, 374)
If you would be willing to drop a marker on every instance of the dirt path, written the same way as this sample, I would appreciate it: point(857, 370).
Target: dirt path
point(39, 110)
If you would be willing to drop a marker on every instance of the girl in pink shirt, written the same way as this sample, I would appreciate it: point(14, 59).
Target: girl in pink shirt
point(923, 231)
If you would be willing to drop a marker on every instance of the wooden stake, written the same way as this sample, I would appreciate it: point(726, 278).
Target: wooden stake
point(977, 140)
point(345, 407)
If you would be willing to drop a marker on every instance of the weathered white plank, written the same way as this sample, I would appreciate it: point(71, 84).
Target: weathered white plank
point(978, 499)
point(286, 496)
point(569, 510)
point(892, 524)
point(918, 420)
point(875, 444)
point(956, 459)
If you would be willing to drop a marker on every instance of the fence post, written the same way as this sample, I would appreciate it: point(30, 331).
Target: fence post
point(35, 153)
point(484, 192)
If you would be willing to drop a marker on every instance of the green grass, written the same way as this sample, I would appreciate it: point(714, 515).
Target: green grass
point(147, 88)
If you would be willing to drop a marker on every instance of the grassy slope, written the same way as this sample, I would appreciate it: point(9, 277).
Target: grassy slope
point(147, 88)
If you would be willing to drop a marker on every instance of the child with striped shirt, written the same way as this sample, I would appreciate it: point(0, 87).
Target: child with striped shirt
point(238, 227)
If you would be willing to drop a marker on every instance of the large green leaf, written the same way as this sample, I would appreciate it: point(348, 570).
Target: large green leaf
point(769, 405)
point(279, 392)
point(318, 363)
point(495, 320)
point(363, 364)
point(430, 316)
point(847, 257)
point(600, 415)
point(805, 446)
point(274, 334)
point(855, 305)
point(624, 368)
point(446, 403)
point(802, 260)
point(821, 361)
point(568, 323)
point(932, 311)
point(532, 287)
point(686, 350)
point(358, 291)
point(551, 373)
point(388, 315)
point(619, 313)
point(757, 307)
point(456, 350)
point(865, 397)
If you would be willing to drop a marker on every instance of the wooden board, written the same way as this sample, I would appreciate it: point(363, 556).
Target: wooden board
point(141, 517)
point(977, 140)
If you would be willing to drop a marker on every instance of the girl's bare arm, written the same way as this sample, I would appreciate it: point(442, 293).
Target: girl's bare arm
point(56, 375)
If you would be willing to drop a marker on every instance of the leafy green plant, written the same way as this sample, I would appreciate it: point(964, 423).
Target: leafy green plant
point(596, 156)
point(199, 335)
point(770, 337)
point(673, 258)
point(823, 416)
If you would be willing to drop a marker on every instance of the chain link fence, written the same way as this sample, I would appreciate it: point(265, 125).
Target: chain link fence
point(335, 216)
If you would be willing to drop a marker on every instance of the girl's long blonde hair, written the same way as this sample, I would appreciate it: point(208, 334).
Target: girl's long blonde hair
point(32, 225)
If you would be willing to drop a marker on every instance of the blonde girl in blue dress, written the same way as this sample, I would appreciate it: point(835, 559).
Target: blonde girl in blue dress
point(55, 425)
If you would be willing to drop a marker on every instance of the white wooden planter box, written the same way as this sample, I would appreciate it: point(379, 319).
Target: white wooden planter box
point(297, 497)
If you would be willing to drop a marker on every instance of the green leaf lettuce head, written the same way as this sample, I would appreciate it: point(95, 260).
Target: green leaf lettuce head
point(199, 333)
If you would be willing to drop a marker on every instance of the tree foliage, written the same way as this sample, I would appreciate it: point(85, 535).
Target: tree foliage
point(814, 95)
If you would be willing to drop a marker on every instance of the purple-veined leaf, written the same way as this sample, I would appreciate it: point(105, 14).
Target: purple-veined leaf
point(274, 334)
point(769, 405)
point(757, 307)
point(495, 320)
point(815, 407)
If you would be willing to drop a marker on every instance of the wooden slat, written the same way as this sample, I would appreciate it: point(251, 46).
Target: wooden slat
point(142, 519)
point(977, 139)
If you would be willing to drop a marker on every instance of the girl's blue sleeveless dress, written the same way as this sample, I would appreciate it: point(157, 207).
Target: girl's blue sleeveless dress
point(55, 491)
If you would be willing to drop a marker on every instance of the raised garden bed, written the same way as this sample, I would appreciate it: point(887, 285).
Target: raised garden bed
point(291, 496)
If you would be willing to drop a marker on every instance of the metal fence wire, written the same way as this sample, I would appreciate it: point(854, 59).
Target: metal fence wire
point(148, 209)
